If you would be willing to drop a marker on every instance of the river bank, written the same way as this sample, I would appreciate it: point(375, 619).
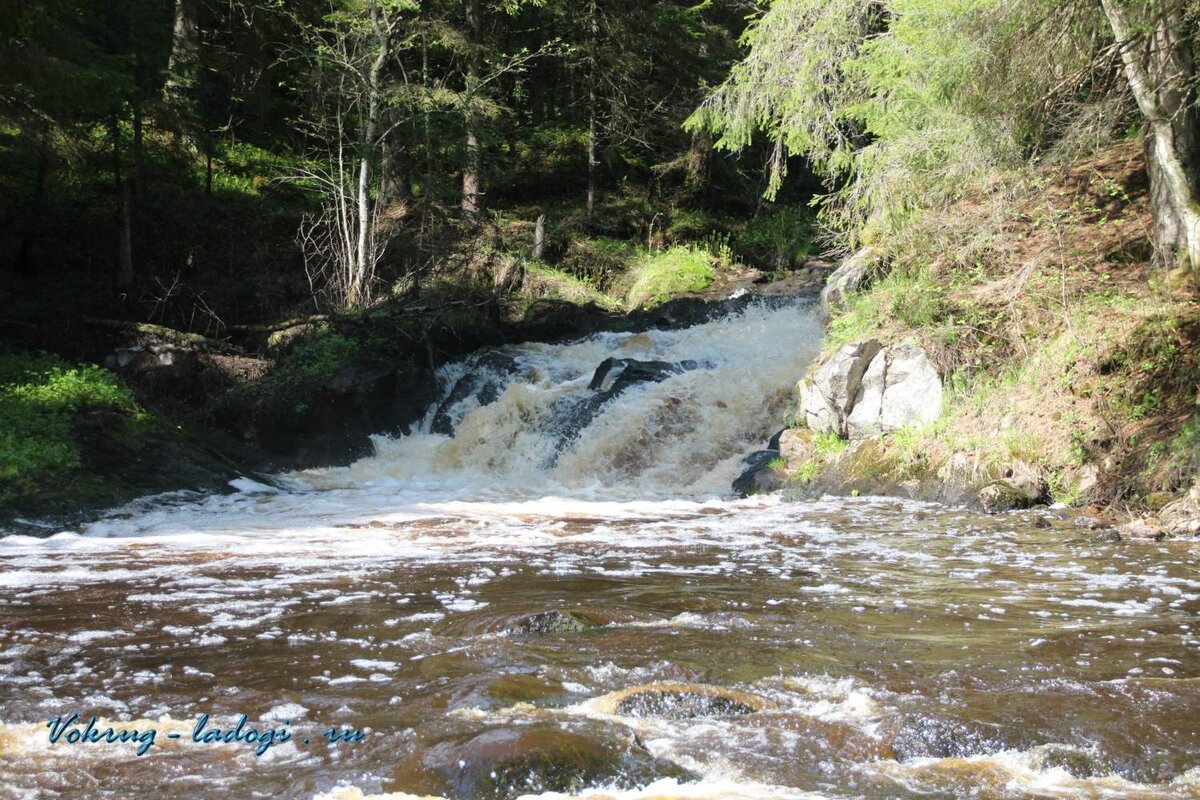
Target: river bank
point(1023, 350)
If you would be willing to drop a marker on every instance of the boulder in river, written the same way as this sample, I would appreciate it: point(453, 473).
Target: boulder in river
point(679, 701)
point(866, 389)
point(572, 414)
point(1021, 487)
point(553, 621)
point(487, 375)
point(760, 474)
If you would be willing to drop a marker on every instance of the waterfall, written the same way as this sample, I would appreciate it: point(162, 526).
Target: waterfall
point(614, 415)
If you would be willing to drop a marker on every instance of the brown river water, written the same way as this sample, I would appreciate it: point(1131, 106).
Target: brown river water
point(761, 648)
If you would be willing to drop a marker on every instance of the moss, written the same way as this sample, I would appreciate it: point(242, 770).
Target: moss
point(658, 277)
point(40, 396)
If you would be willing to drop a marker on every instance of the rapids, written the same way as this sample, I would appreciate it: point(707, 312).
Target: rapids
point(843, 648)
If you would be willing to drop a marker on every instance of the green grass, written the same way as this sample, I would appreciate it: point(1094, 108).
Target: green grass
point(546, 282)
point(658, 277)
point(39, 395)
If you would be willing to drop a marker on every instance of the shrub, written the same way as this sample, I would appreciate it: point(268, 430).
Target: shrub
point(39, 395)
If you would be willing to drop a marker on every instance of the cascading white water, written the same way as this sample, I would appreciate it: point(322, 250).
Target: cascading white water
point(685, 435)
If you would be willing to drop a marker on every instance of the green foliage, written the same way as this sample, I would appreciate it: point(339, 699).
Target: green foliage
point(39, 396)
point(545, 282)
point(782, 236)
point(300, 375)
point(909, 104)
point(658, 277)
point(827, 444)
point(597, 260)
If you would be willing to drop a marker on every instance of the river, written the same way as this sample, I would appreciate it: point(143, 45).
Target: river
point(758, 648)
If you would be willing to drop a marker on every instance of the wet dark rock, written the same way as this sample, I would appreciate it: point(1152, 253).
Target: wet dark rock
point(615, 375)
point(571, 415)
point(488, 374)
point(758, 475)
point(774, 442)
point(508, 762)
point(550, 622)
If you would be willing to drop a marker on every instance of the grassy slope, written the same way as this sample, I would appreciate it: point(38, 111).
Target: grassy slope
point(1065, 347)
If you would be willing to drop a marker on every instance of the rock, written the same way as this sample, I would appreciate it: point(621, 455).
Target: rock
point(1022, 487)
point(912, 392)
point(827, 397)
point(866, 390)
point(1147, 529)
point(864, 420)
point(758, 475)
point(852, 275)
point(550, 622)
point(513, 761)
point(1182, 517)
point(1089, 522)
point(614, 375)
point(1089, 479)
point(571, 415)
point(796, 447)
point(488, 374)
point(679, 701)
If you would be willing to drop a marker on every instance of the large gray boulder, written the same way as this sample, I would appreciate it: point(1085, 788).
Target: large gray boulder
point(827, 396)
point(866, 390)
point(853, 274)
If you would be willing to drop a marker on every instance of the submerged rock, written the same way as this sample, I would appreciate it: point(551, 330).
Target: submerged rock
point(488, 374)
point(509, 762)
point(571, 415)
point(679, 701)
point(554, 621)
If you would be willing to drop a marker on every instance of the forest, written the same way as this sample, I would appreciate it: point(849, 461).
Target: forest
point(600, 399)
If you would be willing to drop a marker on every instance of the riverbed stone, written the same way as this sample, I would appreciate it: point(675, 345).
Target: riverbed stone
point(1182, 517)
point(680, 701)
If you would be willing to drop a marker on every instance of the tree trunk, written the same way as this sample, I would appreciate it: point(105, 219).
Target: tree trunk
point(539, 237)
point(123, 269)
point(184, 62)
point(471, 189)
point(1161, 74)
point(593, 43)
point(364, 257)
point(23, 264)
